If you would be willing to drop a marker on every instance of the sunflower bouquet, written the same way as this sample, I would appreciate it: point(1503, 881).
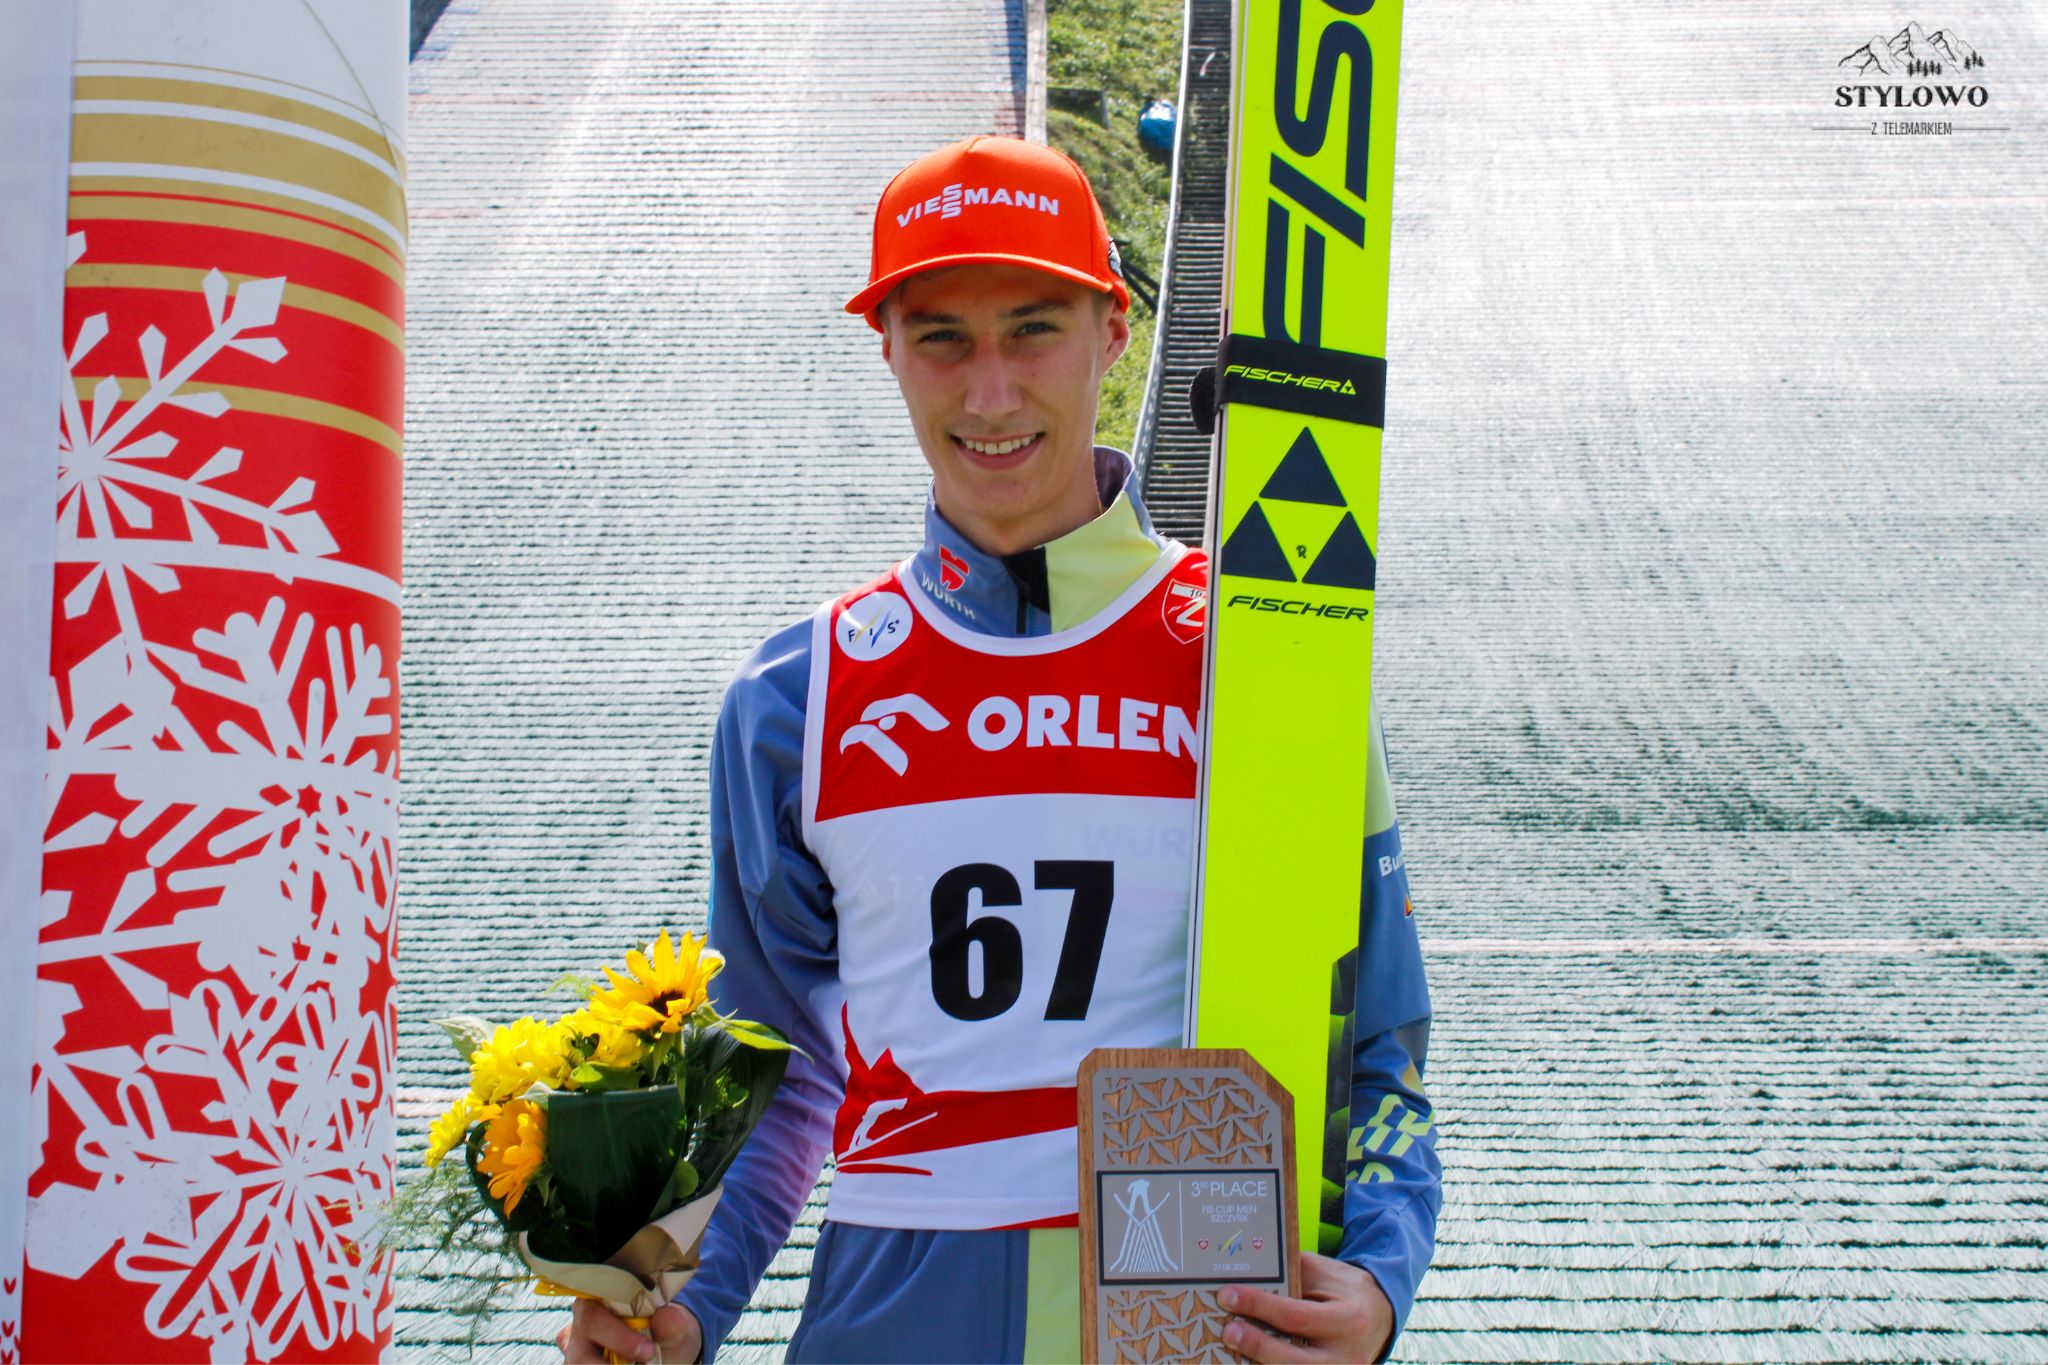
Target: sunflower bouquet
point(592, 1147)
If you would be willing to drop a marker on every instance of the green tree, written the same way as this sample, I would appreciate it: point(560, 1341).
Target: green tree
point(1130, 50)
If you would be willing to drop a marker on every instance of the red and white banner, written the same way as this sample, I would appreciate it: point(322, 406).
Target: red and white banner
point(209, 1128)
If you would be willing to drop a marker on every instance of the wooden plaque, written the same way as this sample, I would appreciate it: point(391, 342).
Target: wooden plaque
point(1187, 1185)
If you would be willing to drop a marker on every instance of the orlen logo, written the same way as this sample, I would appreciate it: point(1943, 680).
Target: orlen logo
point(880, 718)
point(1041, 722)
point(956, 198)
point(953, 570)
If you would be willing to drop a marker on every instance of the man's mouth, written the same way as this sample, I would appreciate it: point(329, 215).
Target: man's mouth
point(1008, 449)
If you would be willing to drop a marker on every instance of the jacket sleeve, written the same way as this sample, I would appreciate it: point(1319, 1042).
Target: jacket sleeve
point(771, 916)
point(1393, 1181)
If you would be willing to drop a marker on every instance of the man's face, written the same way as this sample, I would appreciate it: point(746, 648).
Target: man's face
point(1001, 367)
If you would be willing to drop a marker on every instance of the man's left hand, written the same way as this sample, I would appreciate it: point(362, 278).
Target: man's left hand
point(1342, 1314)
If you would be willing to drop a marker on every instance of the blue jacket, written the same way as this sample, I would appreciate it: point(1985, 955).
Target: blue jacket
point(898, 1294)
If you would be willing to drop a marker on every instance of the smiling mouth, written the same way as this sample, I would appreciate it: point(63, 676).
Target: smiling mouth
point(1009, 445)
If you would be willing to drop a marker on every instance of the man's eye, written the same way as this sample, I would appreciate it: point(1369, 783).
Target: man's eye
point(1036, 327)
point(942, 336)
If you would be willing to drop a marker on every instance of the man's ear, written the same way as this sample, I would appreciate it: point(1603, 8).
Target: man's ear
point(1119, 334)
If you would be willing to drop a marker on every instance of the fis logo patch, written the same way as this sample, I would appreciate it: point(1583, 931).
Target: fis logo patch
point(1253, 550)
point(873, 626)
point(953, 570)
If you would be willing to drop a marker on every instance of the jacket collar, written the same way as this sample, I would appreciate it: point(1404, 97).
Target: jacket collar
point(1053, 586)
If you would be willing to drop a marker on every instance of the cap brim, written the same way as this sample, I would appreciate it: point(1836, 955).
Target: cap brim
point(866, 300)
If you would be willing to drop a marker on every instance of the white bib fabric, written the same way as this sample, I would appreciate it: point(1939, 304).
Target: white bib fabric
point(1008, 826)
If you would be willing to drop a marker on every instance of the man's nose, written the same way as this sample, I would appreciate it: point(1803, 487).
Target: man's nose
point(991, 386)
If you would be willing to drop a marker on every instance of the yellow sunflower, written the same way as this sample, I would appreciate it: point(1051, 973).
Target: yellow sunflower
point(452, 1127)
point(519, 1056)
point(612, 1045)
point(515, 1145)
point(667, 984)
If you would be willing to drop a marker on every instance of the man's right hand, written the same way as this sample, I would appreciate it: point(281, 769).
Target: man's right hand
point(595, 1329)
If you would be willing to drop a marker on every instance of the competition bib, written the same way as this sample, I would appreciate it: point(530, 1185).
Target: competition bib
point(1008, 827)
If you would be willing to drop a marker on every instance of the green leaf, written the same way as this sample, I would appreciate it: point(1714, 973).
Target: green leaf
point(682, 1183)
point(467, 1032)
point(591, 1078)
point(750, 1034)
point(730, 1068)
point(569, 983)
point(612, 1154)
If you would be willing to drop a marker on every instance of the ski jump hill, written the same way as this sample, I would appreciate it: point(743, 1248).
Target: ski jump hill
point(1711, 571)
point(644, 437)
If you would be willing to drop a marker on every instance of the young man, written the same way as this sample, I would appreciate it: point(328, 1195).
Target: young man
point(920, 792)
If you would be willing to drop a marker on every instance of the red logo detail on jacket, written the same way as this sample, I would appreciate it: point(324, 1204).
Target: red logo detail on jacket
point(953, 570)
point(1185, 607)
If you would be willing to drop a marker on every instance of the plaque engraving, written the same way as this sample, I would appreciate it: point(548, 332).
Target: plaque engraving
point(1187, 1185)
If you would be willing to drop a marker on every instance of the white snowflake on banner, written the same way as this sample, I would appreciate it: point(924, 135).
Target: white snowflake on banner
point(107, 460)
point(247, 760)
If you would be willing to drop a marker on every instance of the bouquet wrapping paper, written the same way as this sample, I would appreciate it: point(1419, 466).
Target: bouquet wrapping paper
point(646, 1273)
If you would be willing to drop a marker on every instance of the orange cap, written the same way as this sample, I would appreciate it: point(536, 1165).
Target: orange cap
point(998, 199)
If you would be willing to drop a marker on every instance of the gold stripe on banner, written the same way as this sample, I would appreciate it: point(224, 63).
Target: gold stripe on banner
point(392, 248)
point(246, 80)
point(165, 90)
point(266, 402)
point(233, 218)
point(114, 276)
point(203, 145)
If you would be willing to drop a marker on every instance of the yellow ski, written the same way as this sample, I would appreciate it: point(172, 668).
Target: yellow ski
point(1293, 518)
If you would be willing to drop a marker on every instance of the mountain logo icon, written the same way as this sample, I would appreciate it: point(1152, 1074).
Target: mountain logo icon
point(1913, 51)
point(1302, 495)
